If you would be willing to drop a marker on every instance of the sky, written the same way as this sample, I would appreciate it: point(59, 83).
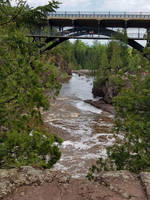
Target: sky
point(99, 5)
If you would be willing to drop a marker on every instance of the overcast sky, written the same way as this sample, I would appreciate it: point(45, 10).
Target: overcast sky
point(99, 5)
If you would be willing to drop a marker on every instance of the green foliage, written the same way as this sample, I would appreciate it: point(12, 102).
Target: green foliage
point(25, 80)
point(80, 55)
point(132, 106)
point(22, 91)
point(113, 61)
point(132, 127)
point(37, 149)
point(66, 51)
point(102, 72)
point(22, 14)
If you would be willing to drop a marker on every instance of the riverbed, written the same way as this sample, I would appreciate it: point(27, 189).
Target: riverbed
point(85, 129)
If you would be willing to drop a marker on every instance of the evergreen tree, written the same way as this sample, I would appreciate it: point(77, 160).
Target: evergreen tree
point(24, 80)
point(115, 59)
point(131, 150)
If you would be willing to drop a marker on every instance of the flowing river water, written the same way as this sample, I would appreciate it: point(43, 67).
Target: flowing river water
point(86, 130)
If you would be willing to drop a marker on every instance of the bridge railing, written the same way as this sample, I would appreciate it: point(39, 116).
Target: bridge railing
point(133, 15)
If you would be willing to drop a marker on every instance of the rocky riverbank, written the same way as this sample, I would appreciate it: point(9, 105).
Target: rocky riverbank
point(102, 105)
point(82, 72)
point(107, 90)
point(27, 183)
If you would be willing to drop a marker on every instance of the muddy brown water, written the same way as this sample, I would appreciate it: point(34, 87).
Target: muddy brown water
point(86, 129)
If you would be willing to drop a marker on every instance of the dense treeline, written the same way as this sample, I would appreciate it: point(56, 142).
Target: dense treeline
point(80, 55)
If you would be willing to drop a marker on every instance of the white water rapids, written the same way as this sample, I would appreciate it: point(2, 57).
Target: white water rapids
point(87, 130)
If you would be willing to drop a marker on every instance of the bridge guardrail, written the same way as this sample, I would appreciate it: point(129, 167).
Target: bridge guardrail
point(132, 15)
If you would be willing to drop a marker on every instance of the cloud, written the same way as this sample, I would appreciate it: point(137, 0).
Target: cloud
point(68, 4)
point(73, 2)
point(98, 5)
point(34, 3)
point(74, 5)
point(123, 5)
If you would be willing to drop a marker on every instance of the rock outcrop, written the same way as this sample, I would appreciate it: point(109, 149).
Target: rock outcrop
point(14, 178)
point(82, 72)
point(102, 105)
point(62, 64)
point(106, 90)
point(27, 183)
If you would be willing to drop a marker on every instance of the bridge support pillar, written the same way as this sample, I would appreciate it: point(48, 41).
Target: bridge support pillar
point(98, 28)
point(51, 29)
point(74, 25)
point(126, 26)
point(138, 33)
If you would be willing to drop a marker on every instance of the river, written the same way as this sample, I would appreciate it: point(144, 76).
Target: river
point(86, 129)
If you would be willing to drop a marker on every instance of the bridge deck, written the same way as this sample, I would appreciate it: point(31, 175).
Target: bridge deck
point(131, 20)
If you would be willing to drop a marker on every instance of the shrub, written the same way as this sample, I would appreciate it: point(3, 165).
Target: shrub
point(35, 148)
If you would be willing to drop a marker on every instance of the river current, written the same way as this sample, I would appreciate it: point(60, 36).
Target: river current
point(86, 129)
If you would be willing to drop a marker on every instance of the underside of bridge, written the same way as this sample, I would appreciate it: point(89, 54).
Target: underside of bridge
point(76, 33)
point(62, 27)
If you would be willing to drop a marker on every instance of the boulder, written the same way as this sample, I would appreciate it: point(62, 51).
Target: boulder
point(102, 105)
point(106, 90)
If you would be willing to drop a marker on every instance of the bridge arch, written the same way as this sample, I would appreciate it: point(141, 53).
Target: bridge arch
point(75, 33)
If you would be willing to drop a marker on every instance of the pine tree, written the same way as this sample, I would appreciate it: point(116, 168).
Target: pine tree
point(23, 84)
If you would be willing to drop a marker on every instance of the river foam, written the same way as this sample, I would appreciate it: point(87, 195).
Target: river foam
point(88, 128)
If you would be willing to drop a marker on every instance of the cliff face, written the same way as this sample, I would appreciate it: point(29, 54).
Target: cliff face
point(106, 90)
point(61, 64)
point(58, 61)
point(56, 66)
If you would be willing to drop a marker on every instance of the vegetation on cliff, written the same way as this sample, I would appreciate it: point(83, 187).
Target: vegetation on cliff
point(80, 55)
point(131, 150)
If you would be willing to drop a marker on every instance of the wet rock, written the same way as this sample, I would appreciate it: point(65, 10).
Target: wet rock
point(81, 72)
point(107, 90)
point(103, 138)
point(102, 105)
